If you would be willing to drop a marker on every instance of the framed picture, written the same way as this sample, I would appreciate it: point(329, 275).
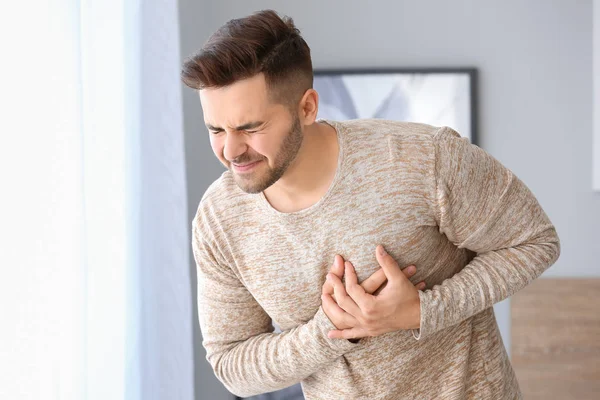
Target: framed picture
point(435, 96)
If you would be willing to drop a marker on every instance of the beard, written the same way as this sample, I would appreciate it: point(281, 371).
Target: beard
point(258, 181)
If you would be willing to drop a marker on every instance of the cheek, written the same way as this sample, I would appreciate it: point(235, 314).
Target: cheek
point(266, 147)
point(217, 148)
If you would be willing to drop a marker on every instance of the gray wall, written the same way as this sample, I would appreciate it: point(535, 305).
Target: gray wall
point(535, 89)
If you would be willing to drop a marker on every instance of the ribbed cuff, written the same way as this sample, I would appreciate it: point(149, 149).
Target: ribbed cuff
point(418, 333)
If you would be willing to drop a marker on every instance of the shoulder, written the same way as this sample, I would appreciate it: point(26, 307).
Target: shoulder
point(372, 136)
point(373, 133)
point(391, 141)
point(377, 128)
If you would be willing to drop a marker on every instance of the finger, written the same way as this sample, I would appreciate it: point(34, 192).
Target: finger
point(373, 282)
point(409, 271)
point(356, 292)
point(336, 314)
point(327, 287)
point(421, 285)
point(376, 292)
point(341, 296)
point(338, 269)
point(338, 266)
point(389, 265)
point(351, 333)
point(351, 278)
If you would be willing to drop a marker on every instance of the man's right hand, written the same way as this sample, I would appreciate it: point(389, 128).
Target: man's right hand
point(372, 285)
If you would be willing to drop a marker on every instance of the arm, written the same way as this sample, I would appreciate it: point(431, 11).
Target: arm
point(481, 205)
point(244, 352)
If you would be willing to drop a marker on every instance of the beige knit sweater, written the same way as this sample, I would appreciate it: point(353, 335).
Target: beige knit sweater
point(474, 230)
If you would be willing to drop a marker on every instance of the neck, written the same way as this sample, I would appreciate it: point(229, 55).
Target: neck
point(309, 176)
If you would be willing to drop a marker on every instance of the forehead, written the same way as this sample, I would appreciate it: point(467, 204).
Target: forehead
point(233, 105)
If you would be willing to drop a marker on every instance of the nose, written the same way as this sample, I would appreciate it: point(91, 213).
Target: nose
point(234, 146)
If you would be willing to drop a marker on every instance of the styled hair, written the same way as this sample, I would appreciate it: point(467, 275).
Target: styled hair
point(262, 42)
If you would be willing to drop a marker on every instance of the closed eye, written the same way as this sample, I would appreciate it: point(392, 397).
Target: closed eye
point(217, 131)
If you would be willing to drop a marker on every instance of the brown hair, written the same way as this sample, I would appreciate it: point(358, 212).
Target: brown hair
point(262, 42)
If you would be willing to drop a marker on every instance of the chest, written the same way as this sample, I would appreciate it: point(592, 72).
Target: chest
point(284, 265)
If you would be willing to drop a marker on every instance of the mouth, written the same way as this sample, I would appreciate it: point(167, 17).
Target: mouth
point(245, 167)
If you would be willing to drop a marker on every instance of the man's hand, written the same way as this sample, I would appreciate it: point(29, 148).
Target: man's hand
point(374, 284)
point(356, 313)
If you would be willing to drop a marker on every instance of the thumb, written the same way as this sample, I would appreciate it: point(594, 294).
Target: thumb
point(337, 269)
point(390, 267)
point(338, 266)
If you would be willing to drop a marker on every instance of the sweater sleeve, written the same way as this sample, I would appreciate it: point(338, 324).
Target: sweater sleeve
point(245, 353)
point(481, 205)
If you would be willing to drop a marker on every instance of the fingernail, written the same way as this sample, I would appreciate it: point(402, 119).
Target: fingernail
point(382, 251)
point(411, 269)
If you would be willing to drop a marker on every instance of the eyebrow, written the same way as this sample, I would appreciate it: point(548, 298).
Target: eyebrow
point(249, 125)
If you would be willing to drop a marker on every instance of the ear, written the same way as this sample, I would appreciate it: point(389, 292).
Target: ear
point(308, 107)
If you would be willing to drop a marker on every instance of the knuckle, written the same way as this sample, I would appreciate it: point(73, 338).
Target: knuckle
point(344, 298)
point(351, 289)
point(336, 313)
point(338, 288)
point(369, 319)
point(372, 331)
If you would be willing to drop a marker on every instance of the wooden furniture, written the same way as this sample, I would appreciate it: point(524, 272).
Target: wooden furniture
point(555, 338)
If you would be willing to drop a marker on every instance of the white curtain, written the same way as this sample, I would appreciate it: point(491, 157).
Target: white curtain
point(94, 240)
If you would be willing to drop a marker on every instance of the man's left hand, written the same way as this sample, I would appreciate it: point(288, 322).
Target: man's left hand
point(396, 307)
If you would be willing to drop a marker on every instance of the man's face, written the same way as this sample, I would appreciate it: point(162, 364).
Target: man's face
point(245, 127)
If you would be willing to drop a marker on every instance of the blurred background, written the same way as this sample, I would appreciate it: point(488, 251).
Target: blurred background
point(105, 157)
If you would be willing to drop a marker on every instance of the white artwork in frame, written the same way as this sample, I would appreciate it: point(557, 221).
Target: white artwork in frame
point(435, 96)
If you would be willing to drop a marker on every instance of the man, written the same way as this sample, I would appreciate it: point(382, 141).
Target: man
point(373, 199)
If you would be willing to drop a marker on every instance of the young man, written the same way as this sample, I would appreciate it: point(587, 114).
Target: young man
point(301, 194)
